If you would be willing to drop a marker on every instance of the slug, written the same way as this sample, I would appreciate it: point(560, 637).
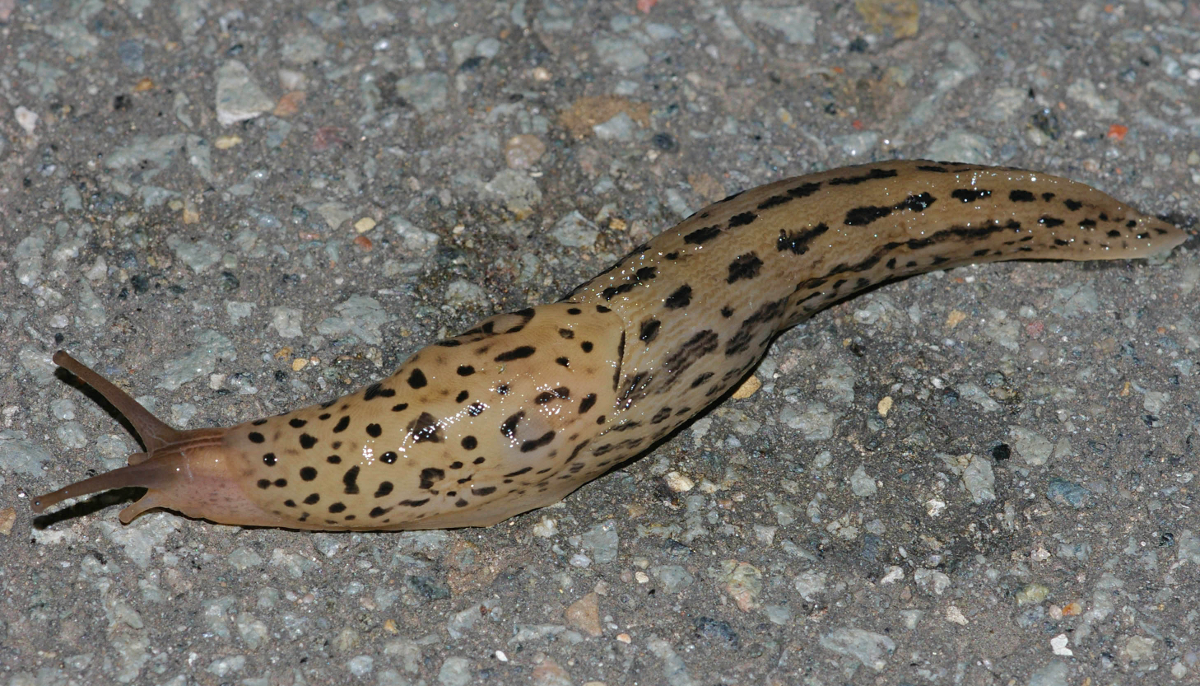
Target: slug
point(521, 410)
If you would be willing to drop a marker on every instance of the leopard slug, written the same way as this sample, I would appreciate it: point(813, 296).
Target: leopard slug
point(524, 408)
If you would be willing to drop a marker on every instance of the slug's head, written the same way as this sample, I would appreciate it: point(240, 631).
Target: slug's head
point(190, 472)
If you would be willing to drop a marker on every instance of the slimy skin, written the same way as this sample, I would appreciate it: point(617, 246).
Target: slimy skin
point(521, 410)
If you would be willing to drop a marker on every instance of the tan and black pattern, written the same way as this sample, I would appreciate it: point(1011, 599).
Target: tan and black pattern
point(519, 411)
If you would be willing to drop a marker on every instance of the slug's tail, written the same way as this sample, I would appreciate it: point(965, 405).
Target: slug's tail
point(169, 456)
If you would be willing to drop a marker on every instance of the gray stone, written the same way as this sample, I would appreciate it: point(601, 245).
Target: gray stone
point(869, 648)
point(1062, 492)
point(358, 315)
point(814, 420)
point(602, 541)
point(19, 455)
point(622, 54)
point(575, 231)
point(455, 671)
point(1034, 448)
point(238, 96)
point(861, 484)
point(1053, 674)
point(979, 480)
point(198, 255)
point(208, 347)
point(797, 23)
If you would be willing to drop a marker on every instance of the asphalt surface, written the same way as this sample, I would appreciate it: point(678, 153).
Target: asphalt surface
point(984, 476)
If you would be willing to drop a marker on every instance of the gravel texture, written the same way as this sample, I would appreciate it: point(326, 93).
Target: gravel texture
point(984, 476)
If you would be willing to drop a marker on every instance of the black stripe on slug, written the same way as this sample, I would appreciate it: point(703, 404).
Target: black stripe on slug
point(699, 345)
point(518, 353)
point(372, 391)
point(350, 480)
point(543, 440)
point(804, 190)
point(745, 266)
point(861, 216)
point(649, 330)
point(430, 476)
point(797, 242)
point(1050, 222)
point(1017, 195)
point(970, 195)
point(1073, 205)
point(342, 424)
point(586, 404)
point(701, 235)
point(932, 168)
point(869, 176)
point(916, 203)
point(681, 297)
point(425, 429)
point(613, 291)
point(509, 427)
point(417, 379)
point(753, 324)
point(774, 201)
point(743, 219)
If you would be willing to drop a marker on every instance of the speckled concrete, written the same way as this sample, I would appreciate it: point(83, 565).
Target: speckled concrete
point(985, 476)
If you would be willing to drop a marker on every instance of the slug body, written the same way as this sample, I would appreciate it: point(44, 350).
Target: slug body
point(519, 411)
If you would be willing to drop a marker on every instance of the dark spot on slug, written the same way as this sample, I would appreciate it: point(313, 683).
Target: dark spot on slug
point(681, 297)
point(429, 477)
point(509, 427)
point(519, 353)
point(350, 480)
point(425, 429)
point(745, 266)
point(417, 379)
point(699, 236)
point(970, 195)
point(649, 330)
